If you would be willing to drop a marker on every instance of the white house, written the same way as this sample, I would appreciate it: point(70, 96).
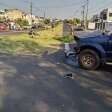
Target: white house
point(106, 15)
point(103, 21)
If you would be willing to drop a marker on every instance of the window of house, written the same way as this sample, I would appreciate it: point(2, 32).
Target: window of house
point(110, 14)
point(104, 16)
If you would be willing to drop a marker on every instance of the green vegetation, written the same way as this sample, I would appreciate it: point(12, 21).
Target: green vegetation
point(2, 20)
point(74, 21)
point(22, 44)
point(22, 22)
point(18, 45)
point(66, 39)
point(47, 21)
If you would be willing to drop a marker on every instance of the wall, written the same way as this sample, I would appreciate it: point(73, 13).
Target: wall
point(67, 29)
point(14, 14)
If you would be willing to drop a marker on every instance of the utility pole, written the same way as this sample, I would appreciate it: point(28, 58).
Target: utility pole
point(87, 13)
point(44, 14)
point(83, 16)
point(31, 12)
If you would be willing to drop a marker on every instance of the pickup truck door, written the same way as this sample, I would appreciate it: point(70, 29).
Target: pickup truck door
point(106, 43)
point(109, 48)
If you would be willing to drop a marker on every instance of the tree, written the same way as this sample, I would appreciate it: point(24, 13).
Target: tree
point(2, 20)
point(74, 21)
point(47, 21)
point(22, 22)
point(68, 21)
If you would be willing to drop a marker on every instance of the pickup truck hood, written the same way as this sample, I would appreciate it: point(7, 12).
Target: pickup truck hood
point(94, 39)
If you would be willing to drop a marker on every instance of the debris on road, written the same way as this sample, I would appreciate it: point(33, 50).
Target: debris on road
point(69, 75)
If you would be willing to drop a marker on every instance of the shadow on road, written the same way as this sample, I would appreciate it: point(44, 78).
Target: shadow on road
point(107, 68)
point(37, 84)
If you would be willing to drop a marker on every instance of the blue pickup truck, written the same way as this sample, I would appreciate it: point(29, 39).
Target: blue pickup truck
point(94, 51)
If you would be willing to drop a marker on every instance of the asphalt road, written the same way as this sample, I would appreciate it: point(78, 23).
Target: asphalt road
point(38, 84)
point(6, 33)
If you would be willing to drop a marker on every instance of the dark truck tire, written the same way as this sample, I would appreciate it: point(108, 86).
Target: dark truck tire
point(89, 59)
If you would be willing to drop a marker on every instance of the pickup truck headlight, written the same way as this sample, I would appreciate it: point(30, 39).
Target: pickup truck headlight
point(76, 48)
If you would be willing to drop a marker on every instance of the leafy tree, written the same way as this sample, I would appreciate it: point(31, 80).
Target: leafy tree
point(22, 22)
point(74, 21)
point(68, 21)
point(2, 20)
point(47, 21)
point(5, 10)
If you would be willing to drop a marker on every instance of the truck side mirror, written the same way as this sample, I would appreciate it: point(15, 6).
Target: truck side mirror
point(76, 38)
point(103, 33)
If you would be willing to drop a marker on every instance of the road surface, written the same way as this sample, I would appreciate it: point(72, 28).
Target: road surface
point(38, 84)
point(6, 33)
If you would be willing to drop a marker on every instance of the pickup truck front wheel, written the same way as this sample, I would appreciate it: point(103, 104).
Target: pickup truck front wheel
point(89, 59)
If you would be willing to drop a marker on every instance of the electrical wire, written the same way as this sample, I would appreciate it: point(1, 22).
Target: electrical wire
point(100, 8)
point(62, 6)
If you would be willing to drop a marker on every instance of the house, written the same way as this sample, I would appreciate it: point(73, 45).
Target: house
point(14, 14)
point(2, 14)
point(103, 21)
point(106, 15)
point(30, 18)
point(106, 19)
point(96, 19)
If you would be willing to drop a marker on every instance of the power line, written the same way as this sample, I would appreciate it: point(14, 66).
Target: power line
point(6, 6)
point(49, 7)
point(44, 8)
point(64, 6)
point(75, 12)
point(99, 8)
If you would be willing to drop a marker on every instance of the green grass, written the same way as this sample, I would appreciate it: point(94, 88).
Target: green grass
point(23, 44)
point(19, 45)
point(66, 39)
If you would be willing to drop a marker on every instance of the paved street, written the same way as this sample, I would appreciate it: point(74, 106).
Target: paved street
point(37, 84)
point(35, 73)
point(6, 33)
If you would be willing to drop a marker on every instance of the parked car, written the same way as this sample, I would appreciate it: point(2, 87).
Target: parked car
point(3, 27)
point(94, 51)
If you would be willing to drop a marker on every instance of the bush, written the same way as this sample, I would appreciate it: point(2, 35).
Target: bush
point(47, 21)
point(73, 21)
point(22, 22)
point(66, 39)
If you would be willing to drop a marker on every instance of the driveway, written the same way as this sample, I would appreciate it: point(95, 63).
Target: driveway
point(37, 84)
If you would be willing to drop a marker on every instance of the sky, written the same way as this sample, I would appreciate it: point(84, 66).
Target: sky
point(57, 8)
